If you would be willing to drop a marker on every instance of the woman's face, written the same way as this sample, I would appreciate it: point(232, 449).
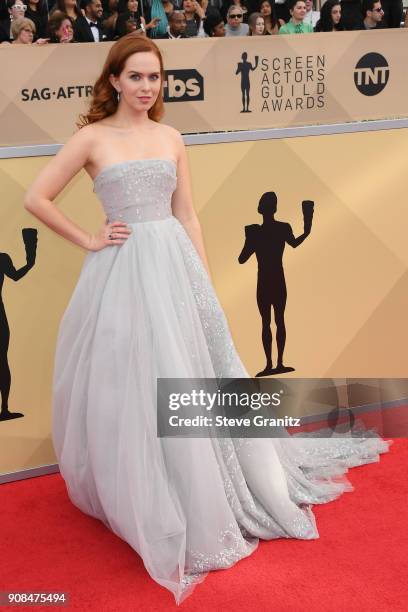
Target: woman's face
point(265, 9)
point(259, 26)
point(139, 82)
point(18, 10)
point(336, 14)
point(26, 36)
point(188, 5)
point(299, 10)
point(132, 5)
point(219, 30)
point(65, 30)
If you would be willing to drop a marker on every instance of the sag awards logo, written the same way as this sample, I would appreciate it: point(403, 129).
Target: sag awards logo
point(183, 86)
point(179, 86)
point(282, 83)
point(371, 74)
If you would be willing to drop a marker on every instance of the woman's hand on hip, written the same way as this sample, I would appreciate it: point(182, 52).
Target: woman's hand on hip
point(110, 234)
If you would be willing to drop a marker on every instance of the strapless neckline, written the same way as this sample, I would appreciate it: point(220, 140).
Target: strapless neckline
point(133, 161)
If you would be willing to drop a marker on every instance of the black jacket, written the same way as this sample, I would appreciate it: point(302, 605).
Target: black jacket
point(83, 31)
point(40, 21)
point(5, 30)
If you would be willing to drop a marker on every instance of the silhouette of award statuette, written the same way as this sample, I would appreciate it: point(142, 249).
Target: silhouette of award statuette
point(268, 242)
point(245, 68)
point(7, 269)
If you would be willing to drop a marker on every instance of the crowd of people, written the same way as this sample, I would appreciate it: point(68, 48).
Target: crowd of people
point(70, 21)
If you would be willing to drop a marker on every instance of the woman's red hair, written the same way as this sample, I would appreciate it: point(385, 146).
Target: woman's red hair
point(104, 100)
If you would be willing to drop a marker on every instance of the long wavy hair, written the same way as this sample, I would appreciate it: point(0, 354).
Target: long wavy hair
point(104, 102)
point(273, 15)
point(325, 23)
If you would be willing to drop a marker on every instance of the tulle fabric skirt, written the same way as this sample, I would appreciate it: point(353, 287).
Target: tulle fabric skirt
point(146, 310)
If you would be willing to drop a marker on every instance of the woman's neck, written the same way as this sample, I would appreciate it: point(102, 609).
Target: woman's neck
point(127, 119)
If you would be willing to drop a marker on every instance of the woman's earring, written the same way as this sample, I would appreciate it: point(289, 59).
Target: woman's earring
point(118, 93)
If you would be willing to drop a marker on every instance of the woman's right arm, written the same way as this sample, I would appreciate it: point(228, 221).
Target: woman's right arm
point(51, 181)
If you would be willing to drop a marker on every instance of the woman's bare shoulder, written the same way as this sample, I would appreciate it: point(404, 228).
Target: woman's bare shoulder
point(170, 131)
point(92, 130)
point(85, 133)
point(93, 136)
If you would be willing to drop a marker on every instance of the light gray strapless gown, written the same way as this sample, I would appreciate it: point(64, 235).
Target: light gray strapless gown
point(145, 310)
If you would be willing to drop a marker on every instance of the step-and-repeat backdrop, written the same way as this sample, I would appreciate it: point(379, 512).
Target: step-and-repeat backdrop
point(241, 83)
point(347, 282)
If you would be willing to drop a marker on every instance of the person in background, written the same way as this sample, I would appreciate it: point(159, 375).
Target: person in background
point(109, 17)
point(256, 25)
point(312, 16)
point(195, 11)
point(372, 15)
point(128, 11)
point(297, 9)
point(23, 31)
point(88, 27)
point(242, 4)
point(60, 28)
point(70, 7)
point(214, 25)
point(37, 11)
point(330, 17)
point(351, 14)
point(234, 26)
point(393, 13)
point(214, 5)
point(130, 20)
point(168, 7)
point(267, 9)
point(157, 13)
point(177, 26)
point(282, 10)
point(15, 9)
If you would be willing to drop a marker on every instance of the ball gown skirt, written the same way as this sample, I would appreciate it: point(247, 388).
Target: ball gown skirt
point(147, 309)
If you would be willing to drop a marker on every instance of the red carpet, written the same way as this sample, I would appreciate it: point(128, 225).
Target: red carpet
point(358, 564)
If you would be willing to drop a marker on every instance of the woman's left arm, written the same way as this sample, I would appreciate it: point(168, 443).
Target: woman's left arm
point(182, 203)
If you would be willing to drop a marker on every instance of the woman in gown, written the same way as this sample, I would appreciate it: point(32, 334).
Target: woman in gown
point(144, 307)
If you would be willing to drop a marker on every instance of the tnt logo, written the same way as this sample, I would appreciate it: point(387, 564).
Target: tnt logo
point(183, 86)
point(371, 74)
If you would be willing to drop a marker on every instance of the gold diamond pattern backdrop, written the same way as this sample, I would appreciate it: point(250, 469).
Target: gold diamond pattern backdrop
point(347, 283)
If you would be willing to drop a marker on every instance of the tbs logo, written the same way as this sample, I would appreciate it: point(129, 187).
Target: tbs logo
point(183, 86)
point(371, 74)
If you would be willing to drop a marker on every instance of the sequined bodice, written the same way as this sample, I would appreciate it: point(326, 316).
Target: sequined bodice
point(137, 190)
